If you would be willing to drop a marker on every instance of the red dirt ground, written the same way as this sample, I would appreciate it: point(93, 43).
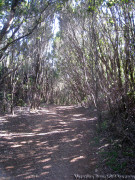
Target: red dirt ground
point(50, 144)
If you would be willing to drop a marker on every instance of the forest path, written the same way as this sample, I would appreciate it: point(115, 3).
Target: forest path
point(51, 144)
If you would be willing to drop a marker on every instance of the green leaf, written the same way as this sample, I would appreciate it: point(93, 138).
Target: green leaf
point(91, 8)
point(37, 37)
point(111, 21)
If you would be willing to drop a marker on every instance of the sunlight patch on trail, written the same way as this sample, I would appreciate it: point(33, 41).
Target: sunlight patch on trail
point(84, 119)
point(77, 115)
point(2, 120)
point(12, 135)
point(77, 158)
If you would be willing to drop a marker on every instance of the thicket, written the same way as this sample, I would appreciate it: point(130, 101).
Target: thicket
point(96, 56)
point(90, 61)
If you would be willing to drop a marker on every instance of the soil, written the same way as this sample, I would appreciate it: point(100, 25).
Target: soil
point(53, 143)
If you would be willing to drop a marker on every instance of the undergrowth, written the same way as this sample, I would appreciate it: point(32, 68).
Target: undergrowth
point(116, 153)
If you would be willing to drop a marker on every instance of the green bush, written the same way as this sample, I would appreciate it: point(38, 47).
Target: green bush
point(20, 102)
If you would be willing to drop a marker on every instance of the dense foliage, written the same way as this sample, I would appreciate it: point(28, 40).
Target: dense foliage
point(89, 61)
point(96, 57)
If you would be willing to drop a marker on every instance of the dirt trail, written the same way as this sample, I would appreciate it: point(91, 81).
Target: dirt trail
point(52, 144)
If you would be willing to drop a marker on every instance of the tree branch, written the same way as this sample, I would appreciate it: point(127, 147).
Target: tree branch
point(23, 36)
point(9, 19)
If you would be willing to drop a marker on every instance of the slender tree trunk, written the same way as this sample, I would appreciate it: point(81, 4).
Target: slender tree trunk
point(96, 70)
point(12, 97)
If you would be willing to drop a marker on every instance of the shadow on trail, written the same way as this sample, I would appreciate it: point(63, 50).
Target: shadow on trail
point(51, 144)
